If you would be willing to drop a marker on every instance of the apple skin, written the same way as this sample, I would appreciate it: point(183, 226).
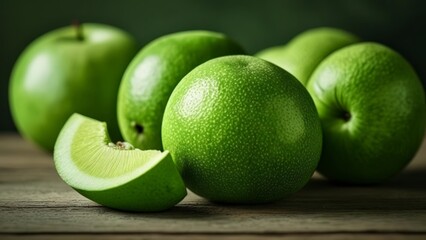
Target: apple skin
point(373, 113)
point(157, 190)
point(71, 69)
point(305, 52)
point(153, 74)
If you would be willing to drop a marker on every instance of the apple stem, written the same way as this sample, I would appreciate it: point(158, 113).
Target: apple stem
point(78, 30)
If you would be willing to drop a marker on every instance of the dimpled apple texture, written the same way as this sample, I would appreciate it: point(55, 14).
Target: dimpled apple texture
point(242, 130)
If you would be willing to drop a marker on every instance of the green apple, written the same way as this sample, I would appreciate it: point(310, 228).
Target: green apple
point(115, 175)
point(71, 69)
point(372, 107)
point(242, 130)
point(153, 74)
point(304, 52)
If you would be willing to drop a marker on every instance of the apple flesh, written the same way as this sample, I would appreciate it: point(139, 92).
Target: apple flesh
point(115, 175)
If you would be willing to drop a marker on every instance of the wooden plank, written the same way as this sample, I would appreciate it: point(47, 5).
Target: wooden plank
point(35, 203)
point(302, 213)
point(188, 218)
point(131, 236)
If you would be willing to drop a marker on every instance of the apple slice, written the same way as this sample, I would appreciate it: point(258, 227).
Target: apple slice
point(115, 175)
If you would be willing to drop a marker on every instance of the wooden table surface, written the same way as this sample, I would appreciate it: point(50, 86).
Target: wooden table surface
point(36, 204)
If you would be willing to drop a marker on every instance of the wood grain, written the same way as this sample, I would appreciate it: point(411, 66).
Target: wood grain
point(298, 236)
point(36, 204)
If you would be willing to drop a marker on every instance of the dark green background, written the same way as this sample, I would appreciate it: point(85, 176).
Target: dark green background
point(255, 24)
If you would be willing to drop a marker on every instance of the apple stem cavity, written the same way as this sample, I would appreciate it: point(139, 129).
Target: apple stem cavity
point(138, 127)
point(346, 116)
point(121, 145)
point(78, 30)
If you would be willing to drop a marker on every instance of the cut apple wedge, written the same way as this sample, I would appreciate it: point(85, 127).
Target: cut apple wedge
point(115, 175)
